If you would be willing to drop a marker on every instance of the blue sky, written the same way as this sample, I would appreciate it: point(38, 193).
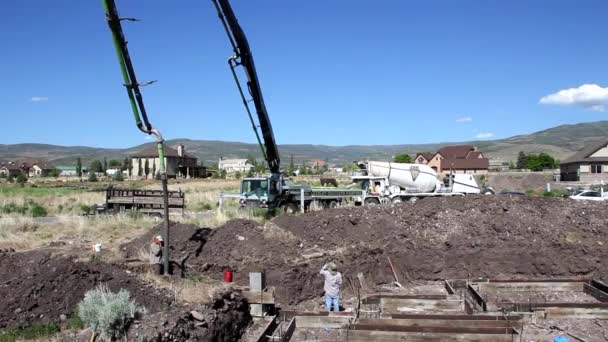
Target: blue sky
point(337, 72)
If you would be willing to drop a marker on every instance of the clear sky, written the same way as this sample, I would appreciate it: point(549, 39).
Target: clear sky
point(336, 72)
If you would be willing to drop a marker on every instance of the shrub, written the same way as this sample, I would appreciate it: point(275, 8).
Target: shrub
point(37, 210)
point(21, 179)
point(118, 177)
point(92, 177)
point(3, 175)
point(108, 314)
point(86, 209)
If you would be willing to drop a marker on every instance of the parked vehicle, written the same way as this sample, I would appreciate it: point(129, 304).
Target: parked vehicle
point(588, 195)
point(397, 182)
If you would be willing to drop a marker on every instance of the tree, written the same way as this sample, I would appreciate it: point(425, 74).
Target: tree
point(92, 177)
point(292, 167)
point(139, 168)
point(126, 165)
point(238, 175)
point(79, 167)
point(21, 179)
point(540, 162)
point(146, 168)
point(96, 166)
point(511, 165)
point(154, 169)
point(250, 173)
point(114, 164)
point(522, 160)
point(55, 173)
point(222, 174)
point(105, 164)
point(118, 177)
point(402, 158)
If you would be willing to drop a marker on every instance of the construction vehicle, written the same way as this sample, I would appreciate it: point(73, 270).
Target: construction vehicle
point(385, 182)
point(273, 191)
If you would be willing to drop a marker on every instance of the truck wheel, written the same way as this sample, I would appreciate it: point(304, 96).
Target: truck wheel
point(371, 201)
point(289, 208)
point(397, 200)
point(332, 204)
point(413, 199)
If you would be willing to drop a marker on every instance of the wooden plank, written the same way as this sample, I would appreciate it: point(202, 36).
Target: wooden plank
point(390, 305)
point(442, 330)
point(596, 293)
point(333, 322)
point(392, 336)
point(268, 329)
point(291, 328)
point(532, 287)
point(443, 323)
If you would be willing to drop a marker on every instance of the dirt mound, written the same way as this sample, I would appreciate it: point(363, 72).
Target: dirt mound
point(225, 319)
point(518, 182)
point(38, 287)
point(436, 238)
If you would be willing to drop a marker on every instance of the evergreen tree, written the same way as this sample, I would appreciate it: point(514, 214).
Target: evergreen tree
point(79, 167)
point(96, 166)
point(105, 164)
point(292, 168)
point(522, 160)
point(139, 169)
point(146, 168)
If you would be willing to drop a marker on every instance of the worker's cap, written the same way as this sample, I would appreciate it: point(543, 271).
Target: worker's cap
point(332, 266)
point(159, 238)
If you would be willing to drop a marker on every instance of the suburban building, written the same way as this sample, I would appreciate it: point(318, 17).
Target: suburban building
point(498, 165)
point(178, 164)
point(38, 169)
point(70, 171)
point(317, 163)
point(455, 158)
point(587, 165)
point(9, 169)
point(234, 165)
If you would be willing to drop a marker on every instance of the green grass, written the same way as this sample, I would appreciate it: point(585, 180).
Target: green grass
point(29, 332)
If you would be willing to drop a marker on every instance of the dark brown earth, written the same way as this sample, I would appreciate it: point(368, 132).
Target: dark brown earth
point(224, 319)
point(434, 239)
point(38, 287)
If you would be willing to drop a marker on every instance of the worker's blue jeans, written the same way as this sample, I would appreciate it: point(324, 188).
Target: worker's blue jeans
point(329, 301)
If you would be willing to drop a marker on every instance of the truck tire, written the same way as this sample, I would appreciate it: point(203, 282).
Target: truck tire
point(289, 208)
point(372, 201)
point(333, 204)
point(397, 200)
point(413, 199)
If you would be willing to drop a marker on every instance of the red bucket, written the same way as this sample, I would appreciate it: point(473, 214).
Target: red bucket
point(228, 276)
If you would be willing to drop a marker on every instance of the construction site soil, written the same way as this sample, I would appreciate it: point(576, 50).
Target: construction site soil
point(38, 287)
point(433, 239)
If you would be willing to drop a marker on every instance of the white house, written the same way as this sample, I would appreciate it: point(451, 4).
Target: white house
point(234, 165)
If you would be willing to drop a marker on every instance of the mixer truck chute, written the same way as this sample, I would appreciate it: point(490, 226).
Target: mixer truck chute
point(385, 182)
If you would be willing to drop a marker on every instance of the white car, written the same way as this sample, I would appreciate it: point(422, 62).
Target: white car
point(588, 195)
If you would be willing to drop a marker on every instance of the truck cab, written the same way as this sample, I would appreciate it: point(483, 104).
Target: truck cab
point(373, 189)
point(254, 192)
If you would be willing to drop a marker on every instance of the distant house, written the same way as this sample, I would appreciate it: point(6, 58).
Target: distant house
point(70, 171)
point(498, 165)
point(455, 158)
point(178, 164)
point(234, 165)
point(9, 170)
point(35, 168)
point(317, 163)
point(587, 165)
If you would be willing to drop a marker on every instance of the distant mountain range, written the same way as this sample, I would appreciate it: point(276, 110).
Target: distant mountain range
point(560, 142)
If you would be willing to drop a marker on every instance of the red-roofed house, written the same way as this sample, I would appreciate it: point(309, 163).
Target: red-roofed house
point(457, 158)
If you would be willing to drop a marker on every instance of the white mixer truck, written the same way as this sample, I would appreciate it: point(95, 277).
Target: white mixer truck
point(385, 182)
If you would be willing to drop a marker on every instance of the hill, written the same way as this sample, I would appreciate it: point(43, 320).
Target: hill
point(560, 141)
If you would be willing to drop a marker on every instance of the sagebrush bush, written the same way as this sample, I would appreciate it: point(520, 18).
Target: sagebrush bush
point(108, 314)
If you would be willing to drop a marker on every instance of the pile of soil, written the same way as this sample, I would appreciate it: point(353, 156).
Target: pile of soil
point(38, 287)
point(518, 182)
point(434, 239)
point(225, 319)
